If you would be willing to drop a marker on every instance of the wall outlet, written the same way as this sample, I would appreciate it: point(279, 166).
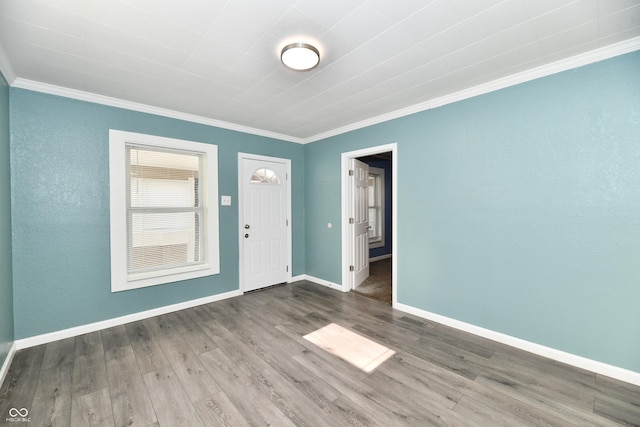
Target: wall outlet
point(225, 200)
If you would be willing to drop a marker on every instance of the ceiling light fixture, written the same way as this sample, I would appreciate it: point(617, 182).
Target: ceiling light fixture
point(300, 56)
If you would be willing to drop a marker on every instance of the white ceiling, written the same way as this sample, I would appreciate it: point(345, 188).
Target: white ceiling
point(219, 59)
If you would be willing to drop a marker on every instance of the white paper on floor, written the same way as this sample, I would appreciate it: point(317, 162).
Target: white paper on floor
point(361, 352)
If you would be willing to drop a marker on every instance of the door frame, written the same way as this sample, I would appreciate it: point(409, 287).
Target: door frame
point(241, 240)
point(348, 231)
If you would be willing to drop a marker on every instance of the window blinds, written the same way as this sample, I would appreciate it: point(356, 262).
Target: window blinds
point(165, 218)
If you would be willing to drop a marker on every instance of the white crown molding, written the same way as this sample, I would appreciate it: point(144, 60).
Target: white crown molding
point(541, 350)
point(586, 58)
point(98, 326)
point(144, 108)
point(580, 60)
point(6, 68)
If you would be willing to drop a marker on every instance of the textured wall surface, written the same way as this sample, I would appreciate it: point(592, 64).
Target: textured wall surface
point(518, 211)
point(6, 286)
point(60, 189)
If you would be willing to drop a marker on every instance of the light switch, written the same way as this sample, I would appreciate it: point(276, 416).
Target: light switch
point(225, 201)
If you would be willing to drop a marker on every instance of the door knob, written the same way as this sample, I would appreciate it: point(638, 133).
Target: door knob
point(246, 236)
point(246, 226)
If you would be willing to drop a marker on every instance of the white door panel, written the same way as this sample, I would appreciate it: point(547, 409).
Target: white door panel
point(361, 221)
point(264, 223)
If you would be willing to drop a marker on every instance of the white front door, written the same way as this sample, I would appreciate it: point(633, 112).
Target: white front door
point(361, 221)
point(263, 223)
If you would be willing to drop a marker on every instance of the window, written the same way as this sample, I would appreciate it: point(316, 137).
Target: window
point(265, 176)
point(164, 212)
point(376, 207)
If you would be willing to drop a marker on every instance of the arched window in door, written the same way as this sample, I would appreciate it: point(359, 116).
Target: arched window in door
point(265, 176)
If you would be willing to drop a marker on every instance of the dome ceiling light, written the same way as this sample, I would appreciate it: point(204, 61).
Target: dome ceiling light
point(300, 56)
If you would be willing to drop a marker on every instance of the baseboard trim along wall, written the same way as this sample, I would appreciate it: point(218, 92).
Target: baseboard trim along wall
point(319, 282)
point(7, 363)
point(296, 278)
point(379, 258)
point(104, 324)
point(541, 350)
point(551, 353)
point(97, 326)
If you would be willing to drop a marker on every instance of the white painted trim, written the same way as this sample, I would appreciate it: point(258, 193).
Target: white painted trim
point(580, 60)
point(6, 69)
point(347, 229)
point(394, 227)
point(97, 326)
point(586, 58)
point(144, 108)
point(4, 369)
point(297, 278)
point(121, 280)
point(380, 257)
point(347, 278)
point(287, 162)
point(541, 350)
point(322, 282)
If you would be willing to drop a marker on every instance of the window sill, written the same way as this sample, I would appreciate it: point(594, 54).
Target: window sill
point(160, 274)
point(136, 281)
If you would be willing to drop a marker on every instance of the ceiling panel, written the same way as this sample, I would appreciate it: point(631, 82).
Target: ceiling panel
point(219, 59)
point(197, 16)
point(427, 22)
point(624, 21)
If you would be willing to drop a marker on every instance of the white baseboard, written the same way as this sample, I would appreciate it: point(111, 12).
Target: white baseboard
point(4, 369)
point(97, 326)
point(551, 353)
point(321, 282)
point(541, 350)
point(296, 278)
point(379, 258)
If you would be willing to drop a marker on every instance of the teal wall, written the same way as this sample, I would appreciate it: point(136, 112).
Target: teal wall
point(322, 206)
point(6, 285)
point(518, 211)
point(60, 187)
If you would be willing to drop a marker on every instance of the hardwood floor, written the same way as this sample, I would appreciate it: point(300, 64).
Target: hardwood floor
point(243, 362)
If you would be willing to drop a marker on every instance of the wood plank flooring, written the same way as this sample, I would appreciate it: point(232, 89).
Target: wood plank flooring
point(243, 362)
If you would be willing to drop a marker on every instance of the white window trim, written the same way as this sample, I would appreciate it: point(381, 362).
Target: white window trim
point(378, 242)
point(120, 279)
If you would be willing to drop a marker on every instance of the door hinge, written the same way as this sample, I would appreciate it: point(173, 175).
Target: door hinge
point(287, 268)
point(351, 172)
point(352, 268)
point(352, 220)
point(287, 222)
